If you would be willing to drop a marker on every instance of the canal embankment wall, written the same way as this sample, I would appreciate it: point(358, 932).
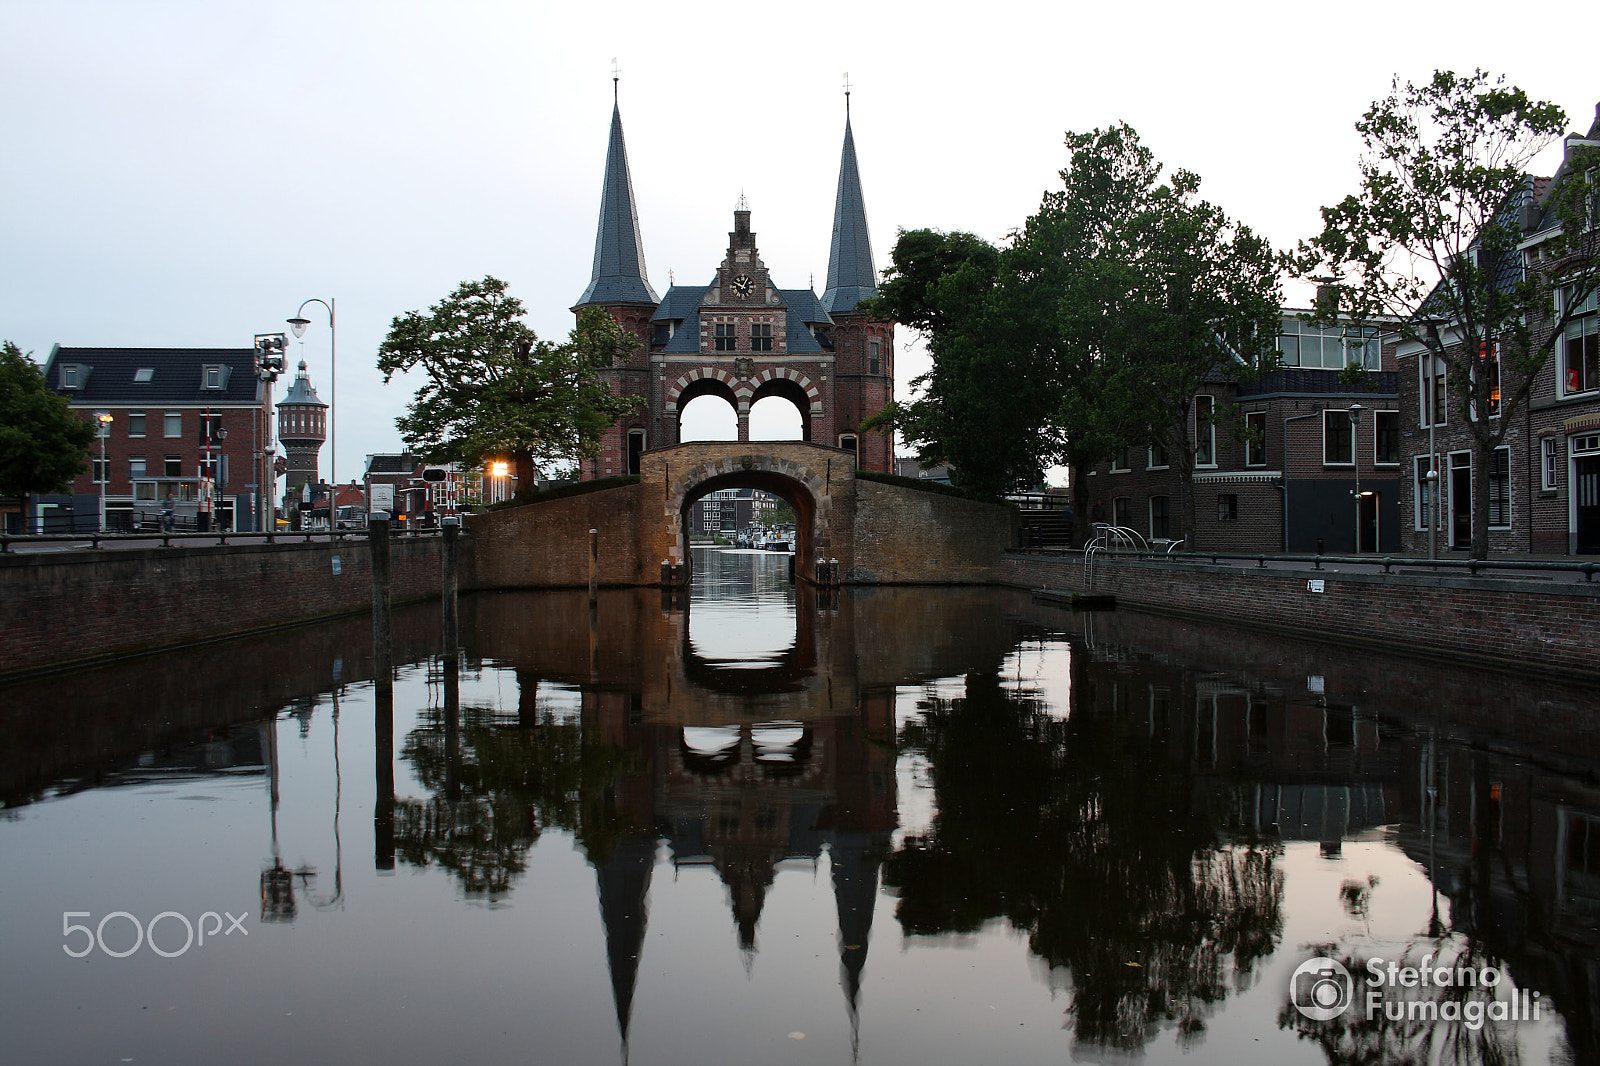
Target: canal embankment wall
point(1520, 623)
point(76, 608)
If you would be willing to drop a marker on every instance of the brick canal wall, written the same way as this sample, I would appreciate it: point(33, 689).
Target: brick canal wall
point(77, 607)
point(1548, 626)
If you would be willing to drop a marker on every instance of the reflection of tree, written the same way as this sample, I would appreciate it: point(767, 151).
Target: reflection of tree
point(1465, 1033)
point(495, 789)
point(1093, 841)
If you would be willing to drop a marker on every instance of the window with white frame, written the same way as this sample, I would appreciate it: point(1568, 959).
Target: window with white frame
point(1205, 431)
point(1431, 391)
point(1421, 492)
point(1488, 364)
point(1500, 489)
point(1580, 345)
point(1337, 447)
point(1386, 438)
point(101, 470)
point(1119, 511)
point(136, 467)
point(1122, 462)
point(172, 424)
point(1156, 459)
point(1255, 447)
point(1547, 463)
point(135, 423)
point(1333, 348)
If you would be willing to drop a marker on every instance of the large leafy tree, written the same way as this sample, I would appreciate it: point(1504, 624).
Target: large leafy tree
point(492, 387)
point(1431, 239)
point(43, 444)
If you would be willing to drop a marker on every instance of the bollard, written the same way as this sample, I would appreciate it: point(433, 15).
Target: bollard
point(448, 586)
point(594, 564)
point(382, 652)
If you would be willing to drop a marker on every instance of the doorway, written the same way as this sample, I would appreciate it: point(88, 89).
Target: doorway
point(1368, 524)
point(1586, 503)
point(1461, 500)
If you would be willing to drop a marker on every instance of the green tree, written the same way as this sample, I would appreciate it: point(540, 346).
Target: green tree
point(491, 387)
point(43, 444)
point(1431, 240)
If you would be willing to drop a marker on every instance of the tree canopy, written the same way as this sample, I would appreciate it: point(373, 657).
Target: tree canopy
point(1091, 329)
point(1430, 242)
point(43, 443)
point(492, 387)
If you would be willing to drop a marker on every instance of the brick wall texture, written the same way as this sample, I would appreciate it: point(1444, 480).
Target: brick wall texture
point(1500, 622)
point(76, 607)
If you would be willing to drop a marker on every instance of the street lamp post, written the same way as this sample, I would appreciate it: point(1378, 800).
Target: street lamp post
point(298, 324)
point(104, 429)
point(1355, 457)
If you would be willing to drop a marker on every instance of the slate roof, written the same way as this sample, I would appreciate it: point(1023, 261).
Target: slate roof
point(851, 277)
point(619, 274)
point(682, 304)
point(1509, 269)
point(177, 375)
point(301, 391)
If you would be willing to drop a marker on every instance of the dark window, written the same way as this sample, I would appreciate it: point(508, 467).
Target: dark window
point(1157, 456)
point(135, 466)
point(761, 337)
point(135, 423)
point(1386, 443)
point(102, 470)
point(1500, 488)
point(1160, 517)
point(1205, 431)
point(172, 466)
point(1119, 511)
point(662, 334)
point(725, 337)
point(1255, 448)
point(873, 356)
point(1336, 449)
point(1227, 508)
point(849, 443)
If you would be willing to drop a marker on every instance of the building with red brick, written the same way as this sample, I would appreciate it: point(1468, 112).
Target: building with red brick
point(177, 415)
point(1277, 460)
point(1544, 486)
point(741, 336)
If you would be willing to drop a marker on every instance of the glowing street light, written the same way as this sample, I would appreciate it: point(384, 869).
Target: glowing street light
point(298, 324)
point(103, 431)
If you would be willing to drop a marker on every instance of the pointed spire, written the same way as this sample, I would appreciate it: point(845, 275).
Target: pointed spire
point(619, 275)
point(851, 277)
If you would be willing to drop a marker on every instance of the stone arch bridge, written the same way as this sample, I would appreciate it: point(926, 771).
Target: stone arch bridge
point(879, 532)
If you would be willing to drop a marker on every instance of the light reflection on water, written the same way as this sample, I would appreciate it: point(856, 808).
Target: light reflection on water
point(786, 826)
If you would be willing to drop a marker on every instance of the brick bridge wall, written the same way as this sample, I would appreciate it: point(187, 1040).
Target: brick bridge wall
point(881, 534)
point(1503, 622)
point(76, 607)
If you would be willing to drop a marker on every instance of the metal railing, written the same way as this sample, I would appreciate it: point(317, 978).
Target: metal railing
point(1118, 545)
point(97, 540)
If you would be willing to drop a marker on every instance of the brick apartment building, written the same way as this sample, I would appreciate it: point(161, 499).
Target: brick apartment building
point(741, 337)
point(1544, 487)
point(1290, 483)
point(159, 400)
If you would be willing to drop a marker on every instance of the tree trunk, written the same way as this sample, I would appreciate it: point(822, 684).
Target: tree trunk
point(1483, 454)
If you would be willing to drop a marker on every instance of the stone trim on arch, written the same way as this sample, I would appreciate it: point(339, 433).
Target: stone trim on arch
point(689, 377)
point(744, 389)
point(813, 393)
point(682, 485)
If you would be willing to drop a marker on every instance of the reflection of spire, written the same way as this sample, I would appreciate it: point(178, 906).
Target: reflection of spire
point(624, 881)
point(748, 887)
point(855, 886)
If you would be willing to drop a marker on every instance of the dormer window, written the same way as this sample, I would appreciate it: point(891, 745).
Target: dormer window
point(74, 375)
point(215, 377)
point(662, 334)
point(144, 375)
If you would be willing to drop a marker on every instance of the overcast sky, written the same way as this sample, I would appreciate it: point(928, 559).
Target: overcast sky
point(188, 173)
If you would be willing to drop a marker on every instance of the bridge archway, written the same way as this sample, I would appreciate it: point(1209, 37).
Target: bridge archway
point(786, 487)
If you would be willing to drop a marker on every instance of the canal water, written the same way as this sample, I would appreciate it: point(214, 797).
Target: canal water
point(757, 823)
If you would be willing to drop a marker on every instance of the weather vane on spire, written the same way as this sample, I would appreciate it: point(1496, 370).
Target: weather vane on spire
point(616, 75)
point(743, 204)
point(847, 93)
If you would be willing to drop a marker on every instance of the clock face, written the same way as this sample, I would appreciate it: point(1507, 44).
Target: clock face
point(742, 285)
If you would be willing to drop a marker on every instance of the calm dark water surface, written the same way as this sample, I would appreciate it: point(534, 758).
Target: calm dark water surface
point(762, 824)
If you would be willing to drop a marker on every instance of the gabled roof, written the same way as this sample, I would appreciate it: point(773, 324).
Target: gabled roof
point(682, 304)
point(1508, 270)
point(619, 275)
point(851, 278)
point(177, 375)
